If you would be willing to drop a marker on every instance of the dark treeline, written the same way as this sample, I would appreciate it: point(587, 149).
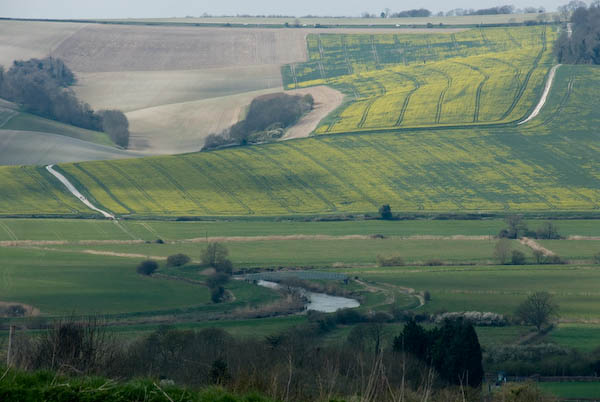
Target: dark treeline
point(294, 365)
point(41, 87)
point(421, 12)
point(267, 118)
point(583, 47)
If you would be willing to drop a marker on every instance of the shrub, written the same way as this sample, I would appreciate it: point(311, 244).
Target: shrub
point(147, 267)
point(502, 251)
point(385, 212)
point(539, 256)
point(547, 231)
point(427, 296)
point(597, 258)
point(434, 262)
point(217, 294)
point(517, 257)
point(390, 261)
point(177, 260)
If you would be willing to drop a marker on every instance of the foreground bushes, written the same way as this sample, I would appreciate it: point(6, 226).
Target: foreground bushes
point(293, 365)
point(47, 386)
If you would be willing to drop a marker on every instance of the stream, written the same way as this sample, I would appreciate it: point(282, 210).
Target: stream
point(318, 301)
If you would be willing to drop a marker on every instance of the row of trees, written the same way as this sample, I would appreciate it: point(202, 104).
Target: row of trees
point(41, 87)
point(581, 44)
point(422, 12)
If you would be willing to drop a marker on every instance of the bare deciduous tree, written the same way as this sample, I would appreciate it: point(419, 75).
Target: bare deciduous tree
point(538, 310)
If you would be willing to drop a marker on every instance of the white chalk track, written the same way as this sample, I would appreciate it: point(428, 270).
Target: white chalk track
point(76, 193)
point(544, 97)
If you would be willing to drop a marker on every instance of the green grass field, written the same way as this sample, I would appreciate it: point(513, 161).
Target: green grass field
point(476, 77)
point(29, 122)
point(78, 229)
point(572, 390)
point(318, 253)
point(498, 289)
point(59, 283)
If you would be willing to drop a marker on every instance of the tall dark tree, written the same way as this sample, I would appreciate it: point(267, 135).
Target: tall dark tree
point(452, 349)
point(583, 44)
point(116, 125)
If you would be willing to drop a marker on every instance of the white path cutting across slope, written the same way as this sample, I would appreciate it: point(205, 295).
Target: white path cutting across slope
point(76, 193)
point(544, 97)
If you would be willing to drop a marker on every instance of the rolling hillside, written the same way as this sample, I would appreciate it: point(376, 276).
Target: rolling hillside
point(392, 81)
point(549, 164)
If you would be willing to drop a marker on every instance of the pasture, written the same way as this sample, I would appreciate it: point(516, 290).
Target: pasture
point(99, 229)
point(572, 390)
point(58, 283)
point(62, 266)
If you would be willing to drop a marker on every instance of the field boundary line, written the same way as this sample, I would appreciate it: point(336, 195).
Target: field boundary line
point(76, 193)
point(544, 98)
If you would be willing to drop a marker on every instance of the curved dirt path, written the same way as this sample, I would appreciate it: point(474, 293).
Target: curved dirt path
point(544, 97)
point(326, 101)
point(76, 193)
point(388, 291)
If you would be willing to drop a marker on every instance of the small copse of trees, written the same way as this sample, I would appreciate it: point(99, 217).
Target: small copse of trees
point(41, 87)
point(267, 118)
point(582, 45)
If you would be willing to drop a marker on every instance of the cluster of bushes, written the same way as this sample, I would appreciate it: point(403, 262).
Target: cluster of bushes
point(583, 47)
point(517, 228)
point(477, 318)
point(267, 118)
point(41, 87)
point(147, 267)
point(505, 254)
point(292, 365)
point(542, 359)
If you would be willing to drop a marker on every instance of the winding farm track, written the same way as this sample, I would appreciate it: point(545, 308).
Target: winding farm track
point(76, 193)
point(544, 97)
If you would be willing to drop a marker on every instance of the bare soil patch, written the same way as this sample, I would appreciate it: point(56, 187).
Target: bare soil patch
point(326, 101)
